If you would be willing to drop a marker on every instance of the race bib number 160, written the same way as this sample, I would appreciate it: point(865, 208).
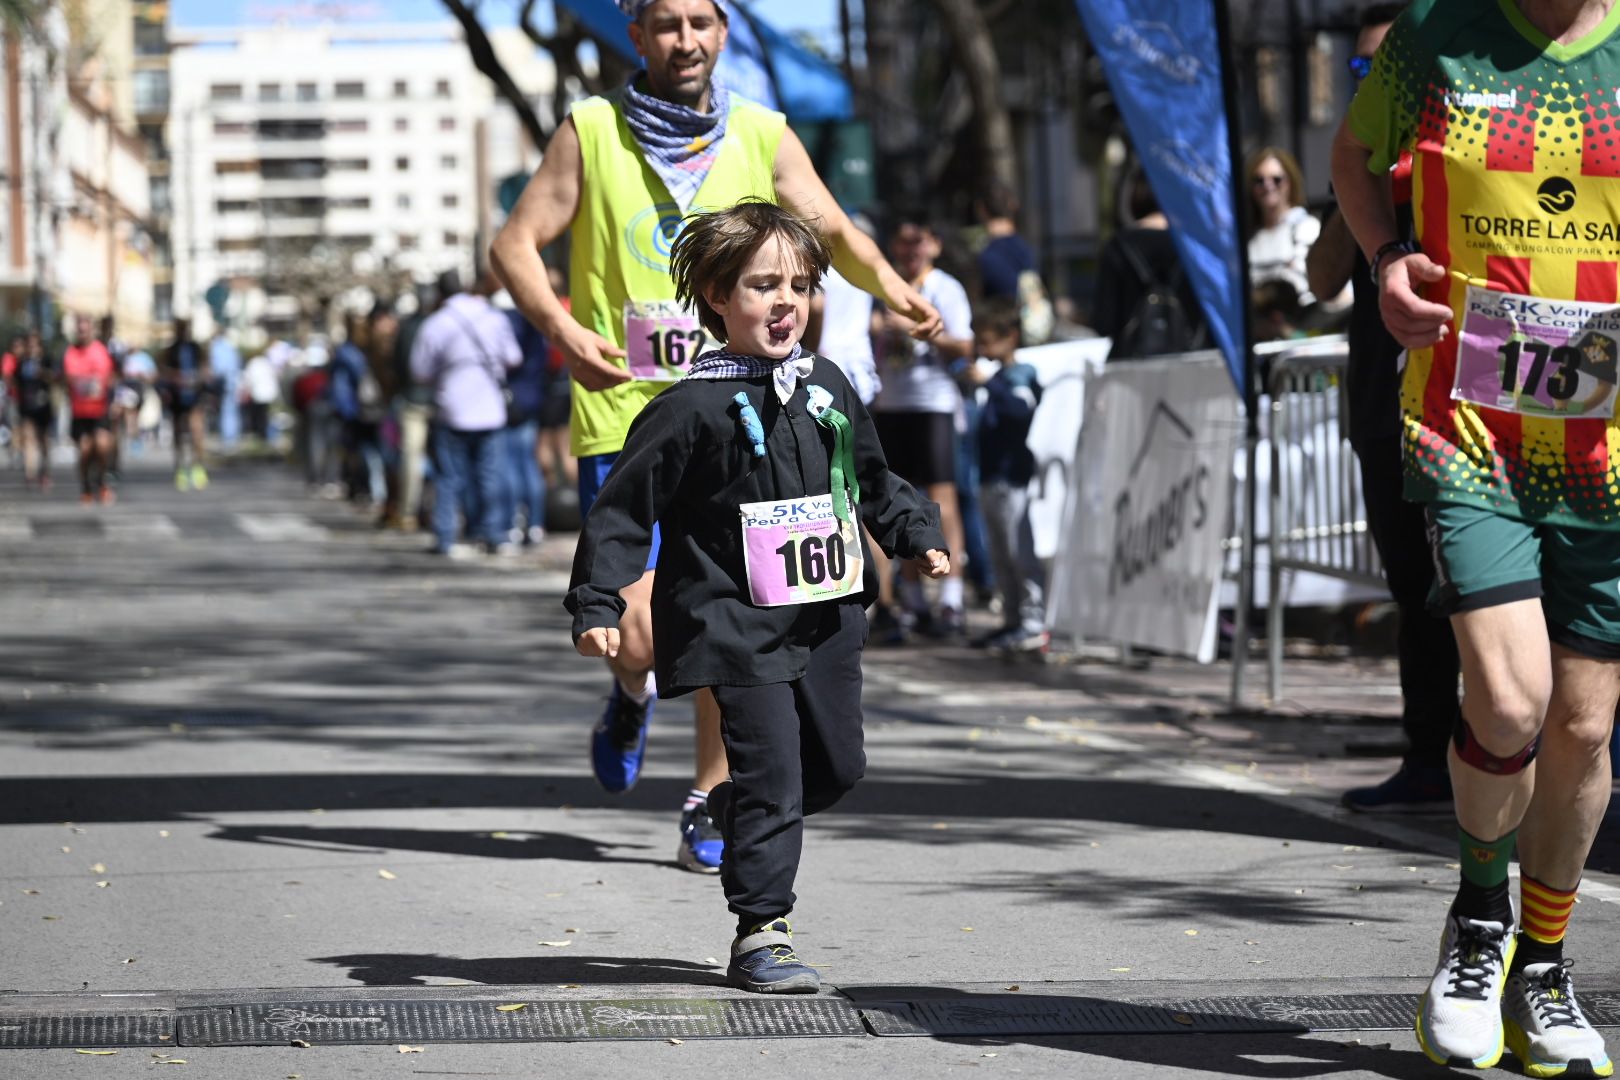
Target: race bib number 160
point(1558, 359)
point(798, 552)
point(661, 339)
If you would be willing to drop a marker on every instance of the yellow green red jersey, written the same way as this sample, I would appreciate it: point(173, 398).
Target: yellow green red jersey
point(1516, 190)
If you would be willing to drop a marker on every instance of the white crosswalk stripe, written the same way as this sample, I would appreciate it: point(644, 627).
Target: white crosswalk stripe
point(140, 527)
point(280, 527)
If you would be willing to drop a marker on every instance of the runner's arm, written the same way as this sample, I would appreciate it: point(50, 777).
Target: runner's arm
point(545, 211)
point(1332, 259)
point(1369, 210)
point(855, 254)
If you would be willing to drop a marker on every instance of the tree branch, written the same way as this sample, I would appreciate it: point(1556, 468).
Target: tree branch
point(485, 60)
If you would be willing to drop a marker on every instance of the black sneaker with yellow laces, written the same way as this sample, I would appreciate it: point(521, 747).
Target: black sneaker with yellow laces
point(763, 962)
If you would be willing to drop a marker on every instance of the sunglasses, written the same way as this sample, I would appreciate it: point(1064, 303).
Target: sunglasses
point(1269, 181)
point(1360, 67)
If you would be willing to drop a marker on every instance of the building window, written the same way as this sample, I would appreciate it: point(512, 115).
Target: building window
point(447, 123)
point(407, 242)
point(233, 206)
point(225, 92)
point(448, 162)
point(402, 202)
point(353, 202)
point(402, 164)
point(442, 88)
point(401, 88)
point(402, 123)
point(308, 91)
point(450, 202)
point(151, 91)
point(349, 165)
point(232, 127)
point(349, 90)
point(246, 243)
point(226, 168)
point(350, 126)
point(270, 91)
point(151, 38)
point(452, 239)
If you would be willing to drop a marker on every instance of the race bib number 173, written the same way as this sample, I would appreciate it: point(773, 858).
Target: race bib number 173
point(1558, 359)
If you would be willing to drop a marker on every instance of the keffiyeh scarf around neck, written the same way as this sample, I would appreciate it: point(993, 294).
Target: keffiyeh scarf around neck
point(785, 373)
point(679, 143)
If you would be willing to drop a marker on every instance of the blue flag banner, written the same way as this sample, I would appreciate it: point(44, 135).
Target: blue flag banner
point(1163, 62)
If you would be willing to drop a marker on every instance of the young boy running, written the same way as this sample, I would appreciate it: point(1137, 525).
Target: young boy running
point(759, 467)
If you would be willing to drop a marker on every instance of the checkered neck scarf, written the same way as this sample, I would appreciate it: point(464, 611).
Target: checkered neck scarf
point(679, 143)
point(785, 373)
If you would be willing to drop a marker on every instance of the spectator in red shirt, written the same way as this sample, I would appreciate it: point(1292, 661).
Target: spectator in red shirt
point(88, 370)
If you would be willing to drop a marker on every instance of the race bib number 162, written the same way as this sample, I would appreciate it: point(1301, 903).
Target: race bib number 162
point(661, 339)
point(1558, 359)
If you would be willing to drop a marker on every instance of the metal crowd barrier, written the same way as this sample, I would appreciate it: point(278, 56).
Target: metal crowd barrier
point(1317, 519)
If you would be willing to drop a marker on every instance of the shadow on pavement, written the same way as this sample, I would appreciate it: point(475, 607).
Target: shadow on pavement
point(478, 844)
point(413, 969)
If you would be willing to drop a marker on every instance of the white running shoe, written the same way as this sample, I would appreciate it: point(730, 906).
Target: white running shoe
point(1459, 1019)
point(1546, 1029)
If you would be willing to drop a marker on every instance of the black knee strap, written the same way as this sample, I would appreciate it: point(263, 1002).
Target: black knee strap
point(1472, 753)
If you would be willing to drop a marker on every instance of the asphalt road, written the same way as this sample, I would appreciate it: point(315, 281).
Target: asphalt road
point(248, 741)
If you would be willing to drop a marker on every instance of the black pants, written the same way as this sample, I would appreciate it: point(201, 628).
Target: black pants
point(795, 748)
point(1426, 647)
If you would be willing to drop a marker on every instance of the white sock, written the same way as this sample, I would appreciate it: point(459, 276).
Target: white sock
point(695, 798)
point(648, 691)
point(950, 593)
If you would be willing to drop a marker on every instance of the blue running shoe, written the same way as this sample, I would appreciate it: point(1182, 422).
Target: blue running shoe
point(619, 741)
point(701, 843)
point(763, 962)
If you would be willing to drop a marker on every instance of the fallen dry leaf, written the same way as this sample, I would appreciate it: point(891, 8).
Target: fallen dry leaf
point(96, 1053)
point(1251, 942)
point(67, 851)
point(570, 930)
point(163, 833)
point(1182, 1018)
point(30, 892)
point(498, 836)
point(676, 1042)
point(171, 1061)
point(387, 875)
point(568, 986)
point(990, 1055)
point(99, 868)
point(102, 884)
point(1119, 969)
point(51, 918)
point(512, 1008)
point(967, 929)
point(1259, 961)
point(131, 960)
point(301, 1044)
point(711, 961)
point(558, 944)
point(1190, 933)
point(411, 1049)
point(1014, 988)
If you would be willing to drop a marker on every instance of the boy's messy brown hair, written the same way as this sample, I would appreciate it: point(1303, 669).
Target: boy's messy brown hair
point(712, 250)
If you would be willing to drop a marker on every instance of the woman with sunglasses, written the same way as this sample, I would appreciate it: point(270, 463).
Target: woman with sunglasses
point(1281, 229)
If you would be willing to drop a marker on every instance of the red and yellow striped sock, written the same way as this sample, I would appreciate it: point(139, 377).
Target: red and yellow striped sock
point(1543, 918)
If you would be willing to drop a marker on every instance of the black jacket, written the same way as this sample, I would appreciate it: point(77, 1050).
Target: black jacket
point(687, 466)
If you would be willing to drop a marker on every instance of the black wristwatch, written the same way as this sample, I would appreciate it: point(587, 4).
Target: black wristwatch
point(1404, 247)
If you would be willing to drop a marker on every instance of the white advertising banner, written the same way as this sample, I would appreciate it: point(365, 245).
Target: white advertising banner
point(1063, 367)
point(1148, 506)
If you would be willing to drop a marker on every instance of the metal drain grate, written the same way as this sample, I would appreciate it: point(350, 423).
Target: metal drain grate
point(1035, 1014)
point(1050, 1015)
point(338, 1022)
point(79, 1029)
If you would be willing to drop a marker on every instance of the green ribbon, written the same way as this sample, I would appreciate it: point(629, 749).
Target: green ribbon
point(844, 479)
